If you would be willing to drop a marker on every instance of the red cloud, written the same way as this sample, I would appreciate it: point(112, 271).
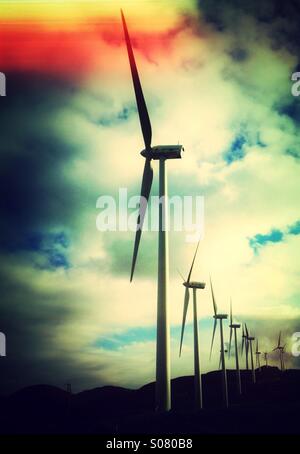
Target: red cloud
point(73, 53)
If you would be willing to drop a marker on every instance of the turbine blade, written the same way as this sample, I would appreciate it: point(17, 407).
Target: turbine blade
point(230, 339)
point(145, 193)
point(180, 275)
point(192, 265)
point(213, 337)
point(140, 100)
point(213, 297)
point(220, 361)
point(243, 341)
point(247, 332)
point(185, 309)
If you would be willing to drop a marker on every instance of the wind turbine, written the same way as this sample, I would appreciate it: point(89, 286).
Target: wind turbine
point(233, 327)
point(282, 357)
point(257, 355)
point(197, 373)
point(266, 358)
point(160, 153)
point(220, 317)
point(245, 345)
point(280, 348)
point(250, 339)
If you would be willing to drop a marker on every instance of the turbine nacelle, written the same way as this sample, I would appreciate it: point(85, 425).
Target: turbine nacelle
point(220, 316)
point(163, 151)
point(200, 285)
point(234, 325)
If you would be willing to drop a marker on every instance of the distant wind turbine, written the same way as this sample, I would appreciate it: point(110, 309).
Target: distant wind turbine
point(280, 348)
point(220, 317)
point(245, 346)
point(250, 339)
point(266, 358)
point(233, 328)
point(194, 285)
point(257, 355)
point(161, 153)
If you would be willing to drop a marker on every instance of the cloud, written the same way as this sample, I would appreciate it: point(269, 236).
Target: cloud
point(294, 229)
point(241, 143)
point(277, 20)
point(50, 249)
point(259, 240)
point(274, 236)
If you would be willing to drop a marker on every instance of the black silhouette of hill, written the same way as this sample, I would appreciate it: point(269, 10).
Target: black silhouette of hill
point(272, 405)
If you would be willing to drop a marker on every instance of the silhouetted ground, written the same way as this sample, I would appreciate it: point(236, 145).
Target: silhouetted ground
point(272, 405)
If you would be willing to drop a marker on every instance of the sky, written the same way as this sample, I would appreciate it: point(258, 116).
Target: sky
point(216, 76)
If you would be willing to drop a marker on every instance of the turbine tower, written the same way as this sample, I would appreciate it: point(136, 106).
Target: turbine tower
point(280, 348)
point(250, 339)
point(245, 345)
point(266, 358)
point(220, 317)
point(220, 360)
point(282, 357)
point(160, 153)
point(233, 327)
point(257, 355)
point(197, 372)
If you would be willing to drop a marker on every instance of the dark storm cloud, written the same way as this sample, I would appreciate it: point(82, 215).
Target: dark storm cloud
point(291, 109)
point(51, 249)
point(31, 356)
point(38, 207)
point(31, 320)
point(28, 321)
point(279, 19)
point(34, 192)
point(238, 54)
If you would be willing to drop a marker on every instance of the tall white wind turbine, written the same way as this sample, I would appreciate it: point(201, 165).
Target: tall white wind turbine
point(160, 153)
point(233, 329)
point(220, 317)
point(197, 371)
